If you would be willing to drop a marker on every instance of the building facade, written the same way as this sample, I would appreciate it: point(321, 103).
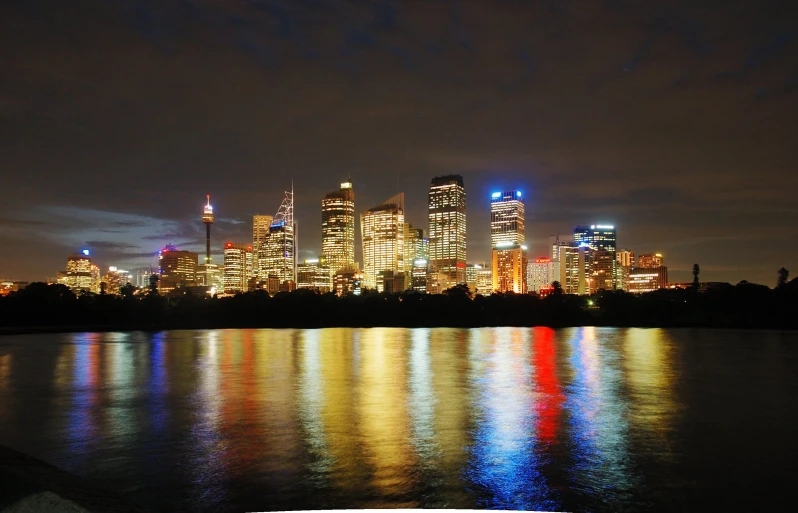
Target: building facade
point(314, 274)
point(81, 274)
point(238, 264)
point(277, 254)
point(382, 234)
point(648, 279)
point(506, 219)
point(541, 274)
point(338, 227)
point(600, 237)
point(447, 227)
point(509, 269)
point(260, 231)
point(176, 269)
point(649, 261)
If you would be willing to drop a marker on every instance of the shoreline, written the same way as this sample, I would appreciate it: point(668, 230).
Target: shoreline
point(104, 328)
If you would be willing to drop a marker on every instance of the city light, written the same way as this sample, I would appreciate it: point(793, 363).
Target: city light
point(518, 193)
point(505, 244)
point(496, 195)
point(605, 227)
point(86, 252)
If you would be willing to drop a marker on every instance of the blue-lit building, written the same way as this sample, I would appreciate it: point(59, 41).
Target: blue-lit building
point(601, 239)
point(506, 219)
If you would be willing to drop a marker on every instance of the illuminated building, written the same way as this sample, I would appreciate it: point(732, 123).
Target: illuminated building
point(176, 269)
point(237, 267)
point(212, 276)
point(484, 281)
point(415, 247)
point(7, 286)
point(541, 274)
point(391, 281)
point(506, 219)
point(80, 275)
point(143, 279)
point(437, 282)
point(509, 268)
point(207, 220)
point(418, 277)
point(115, 279)
point(382, 233)
point(625, 258)
point(648, 279)
point(649, 261)
point(575, 268)
point(260, 230)
point(338, 227)
point(277, 254)
point(347, 281)
point(447, 227)
point(314, 274)
point(600, 237)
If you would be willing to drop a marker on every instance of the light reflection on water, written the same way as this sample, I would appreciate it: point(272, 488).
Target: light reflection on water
point(231, 420)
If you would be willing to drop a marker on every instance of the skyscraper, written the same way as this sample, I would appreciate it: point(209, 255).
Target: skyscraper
point(207, 220)
point(81, 274)
point(649, 261)
point(541, 274)
point(260, 230)
point(176, 268)
point(447, 227)
point(277, 254)
point(237, 267)
point(509, 258)
point(601, 238)
point(338, 228)
point(382, 233)
point(506, 219)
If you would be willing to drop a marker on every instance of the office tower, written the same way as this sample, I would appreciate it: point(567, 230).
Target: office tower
point(143, 279)
point(447, 227)
point(414, 246)
point(346, 281)
point(207, 220)
point(575, 268)
point(649, 261)
point(115, 279)
point(314, 274)
point(80, 275)
point(485, 281)
point(260, 230)
point(625, 258)
point(237, 267)
point(541, 275)
point(277, 254)
point(176, 269)
point(506, 219)
point(509, 269)
point(382, 234)
point(509, 259)
point(418, 275)
point(600, 237)
point(648, 279)
point(338, 227)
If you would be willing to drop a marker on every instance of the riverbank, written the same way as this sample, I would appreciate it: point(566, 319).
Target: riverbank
point(31, 485)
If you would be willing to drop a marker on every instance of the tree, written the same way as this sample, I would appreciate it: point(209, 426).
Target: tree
point(103, 288)
point(154, 284)
point(557, 288)
point(784, 274)
point(127, 290)
point(696, 270)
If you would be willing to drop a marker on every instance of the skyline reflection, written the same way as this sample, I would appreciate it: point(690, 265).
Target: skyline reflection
point(508, 418)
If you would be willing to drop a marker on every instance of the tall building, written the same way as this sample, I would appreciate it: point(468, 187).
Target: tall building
point(600, 237)
point(207, 220)
point(81, 274)
point(176, 269)
point(506, 219)
point(541, 274)
point(447, 227)
point(237, 267)
point(509, 269)
point(347, 281)
point(277, 254)
point(115, 279)
point(414, 246)
point(338, 227)
point(509, 258)
point(382, 234)
point(418, 275)
point(260, 230)
point(625, 258)
point(649, 261)
point(575, 268)
point(314, 274)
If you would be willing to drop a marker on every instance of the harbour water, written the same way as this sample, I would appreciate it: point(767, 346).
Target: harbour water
point(582, 419)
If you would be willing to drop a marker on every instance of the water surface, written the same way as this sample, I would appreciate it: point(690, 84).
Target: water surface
point(584, 419)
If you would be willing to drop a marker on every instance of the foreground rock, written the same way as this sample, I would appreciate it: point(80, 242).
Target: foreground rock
point(29, 485)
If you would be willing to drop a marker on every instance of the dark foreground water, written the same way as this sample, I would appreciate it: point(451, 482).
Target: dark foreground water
point(586, 419)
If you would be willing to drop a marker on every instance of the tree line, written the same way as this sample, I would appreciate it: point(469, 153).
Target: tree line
point(745, 305)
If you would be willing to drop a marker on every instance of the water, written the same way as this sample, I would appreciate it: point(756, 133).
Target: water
point(585, 419)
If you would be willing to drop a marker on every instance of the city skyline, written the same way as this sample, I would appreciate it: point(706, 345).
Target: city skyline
point(672, 122)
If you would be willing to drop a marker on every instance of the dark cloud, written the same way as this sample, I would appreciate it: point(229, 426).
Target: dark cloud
point(125, 114)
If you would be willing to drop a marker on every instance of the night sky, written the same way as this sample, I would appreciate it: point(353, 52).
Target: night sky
point(676, 123)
